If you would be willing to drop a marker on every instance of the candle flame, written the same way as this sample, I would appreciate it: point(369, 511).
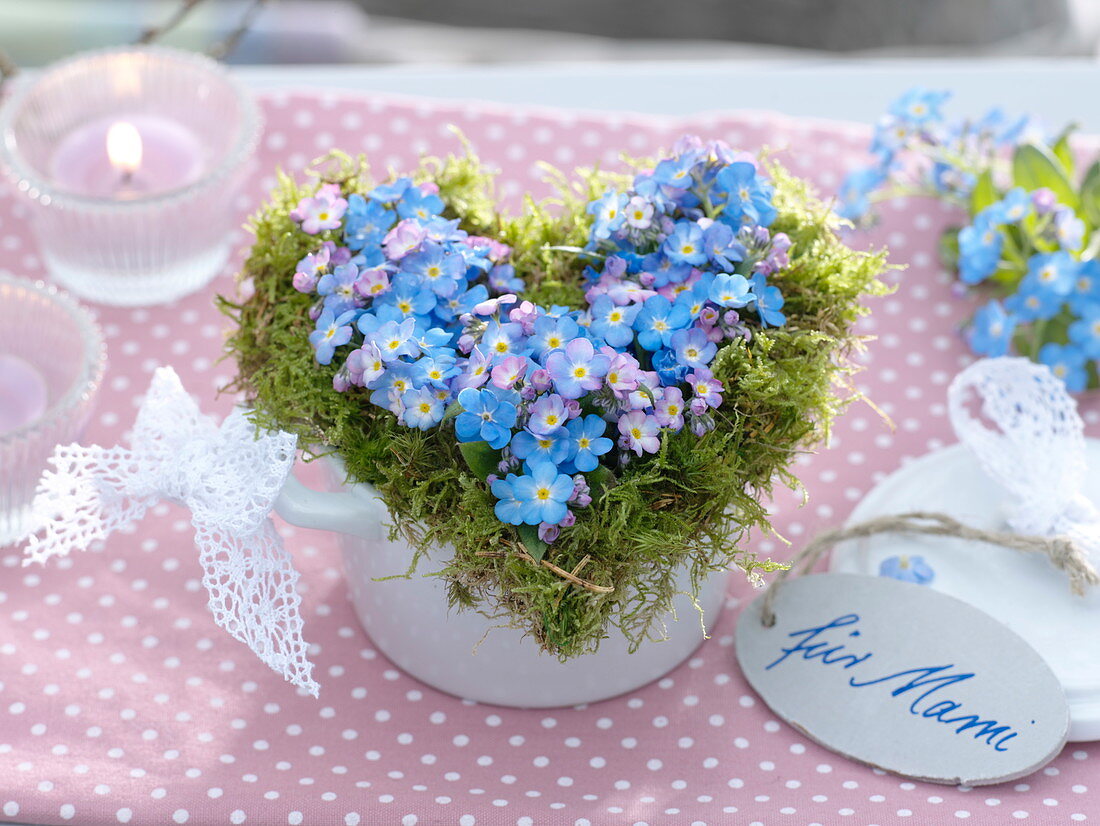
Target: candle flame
point(124, 147)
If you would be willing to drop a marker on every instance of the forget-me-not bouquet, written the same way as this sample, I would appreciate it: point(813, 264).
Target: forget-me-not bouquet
point(604, 384)
point(1029, 242)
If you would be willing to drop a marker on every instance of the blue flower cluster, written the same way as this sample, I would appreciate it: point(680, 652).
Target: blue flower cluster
point(425, 317)
point(916, 151)
point(1026, 243)
point(1056, 284)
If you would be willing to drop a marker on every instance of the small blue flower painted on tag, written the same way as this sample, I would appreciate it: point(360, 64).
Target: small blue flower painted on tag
point(907, 568)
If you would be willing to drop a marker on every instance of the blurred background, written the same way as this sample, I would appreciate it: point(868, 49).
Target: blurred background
point(494, 31)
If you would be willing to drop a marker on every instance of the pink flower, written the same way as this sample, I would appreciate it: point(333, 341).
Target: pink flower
point(525, 315)
point(639, 432)
point(622, 374)
point(491, 305)
point(509, 371)
point(321, 212)
point(403, 239)
point(706, 387)
point(372, 283)
point(670, 409)
point(305, 282)
point(498, 252)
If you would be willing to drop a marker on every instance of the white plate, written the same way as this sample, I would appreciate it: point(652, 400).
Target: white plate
point(1023, 591)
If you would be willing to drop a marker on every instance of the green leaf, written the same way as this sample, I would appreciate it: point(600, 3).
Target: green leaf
point(480, 458)
point(453, 409)
point(984, 193)
point(1090, 195)
point(949, 248)
point(1064, 153)
point(1034, 167)
point(529, 536)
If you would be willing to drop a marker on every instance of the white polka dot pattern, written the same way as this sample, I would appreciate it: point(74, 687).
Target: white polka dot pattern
point(121, 702)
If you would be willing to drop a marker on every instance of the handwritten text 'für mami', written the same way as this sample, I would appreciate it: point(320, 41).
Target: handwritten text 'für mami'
point(919, 683)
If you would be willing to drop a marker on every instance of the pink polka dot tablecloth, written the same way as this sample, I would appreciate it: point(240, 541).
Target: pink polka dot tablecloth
point(121, 702)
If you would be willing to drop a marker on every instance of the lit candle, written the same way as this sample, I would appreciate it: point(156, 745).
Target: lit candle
point(131, 159)
point(127, 156)
point(23, 395)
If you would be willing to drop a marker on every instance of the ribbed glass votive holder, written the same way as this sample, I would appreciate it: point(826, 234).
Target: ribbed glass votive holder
point(52, 358)
point(132, 158)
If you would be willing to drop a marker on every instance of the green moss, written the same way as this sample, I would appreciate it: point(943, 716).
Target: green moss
point(691, 504)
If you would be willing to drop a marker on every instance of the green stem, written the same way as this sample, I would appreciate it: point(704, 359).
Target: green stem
point(1037, 341)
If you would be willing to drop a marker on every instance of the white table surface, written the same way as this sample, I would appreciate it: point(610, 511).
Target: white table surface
point(1060, 91)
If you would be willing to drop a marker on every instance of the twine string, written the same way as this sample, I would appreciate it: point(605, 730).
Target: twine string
point(1061, 550)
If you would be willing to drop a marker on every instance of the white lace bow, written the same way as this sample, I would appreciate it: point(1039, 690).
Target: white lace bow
point(1036, 451)
point(228, 478)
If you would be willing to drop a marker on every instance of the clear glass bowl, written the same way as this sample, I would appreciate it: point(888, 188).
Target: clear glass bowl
point(128, 247)
point(60, 340)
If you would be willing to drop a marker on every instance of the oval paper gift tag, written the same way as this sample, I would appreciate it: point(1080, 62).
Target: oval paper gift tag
point(905, 679)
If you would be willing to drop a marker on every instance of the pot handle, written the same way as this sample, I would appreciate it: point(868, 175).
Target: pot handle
point(341, 512)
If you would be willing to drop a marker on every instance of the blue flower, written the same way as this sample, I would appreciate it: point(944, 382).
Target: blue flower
point(588, 441)
point(1067, 363)
point(731, 291)
point(408, 296)
point(366, 222)
point(769, 301)
point(919, 106)
point(542, 495)
point(1055, 272)
point(555, 447)
point(1032, 303)
point(578, 369)
point(696, 296)
point(448, 309)
point(720, 246)
point(664, 270)
point(415, 203)
point(676, 172)
point(423, 409)
point(436, 268)
point(991, 330)
point(503, 279)
point(855, 189)
point(395, 340)
point(1086, 288)
point(332, 332)
point(1013, 208)
point(612, 322)
point(552, 334)
point(658, 319)
point(338, 288)
point(1085, 331)
point(670, 372)
point(503, 340)
point(979, 249)
point(509, 510)
point(484, 417)
point(692, 348)
point(608, 212)
point(390, 388)
point(749, 199)
point(907, 568)
point(388, 193)
point(438, 369)
point(684, 245)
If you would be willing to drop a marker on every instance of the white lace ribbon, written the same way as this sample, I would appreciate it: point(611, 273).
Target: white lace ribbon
point(227, 477)
point(1035, 448)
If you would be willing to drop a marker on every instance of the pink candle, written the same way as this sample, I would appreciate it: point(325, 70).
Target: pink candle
point(23, 396)
point(166, 156)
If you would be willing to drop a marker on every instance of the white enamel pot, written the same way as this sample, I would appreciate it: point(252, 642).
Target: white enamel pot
point(410, 622)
